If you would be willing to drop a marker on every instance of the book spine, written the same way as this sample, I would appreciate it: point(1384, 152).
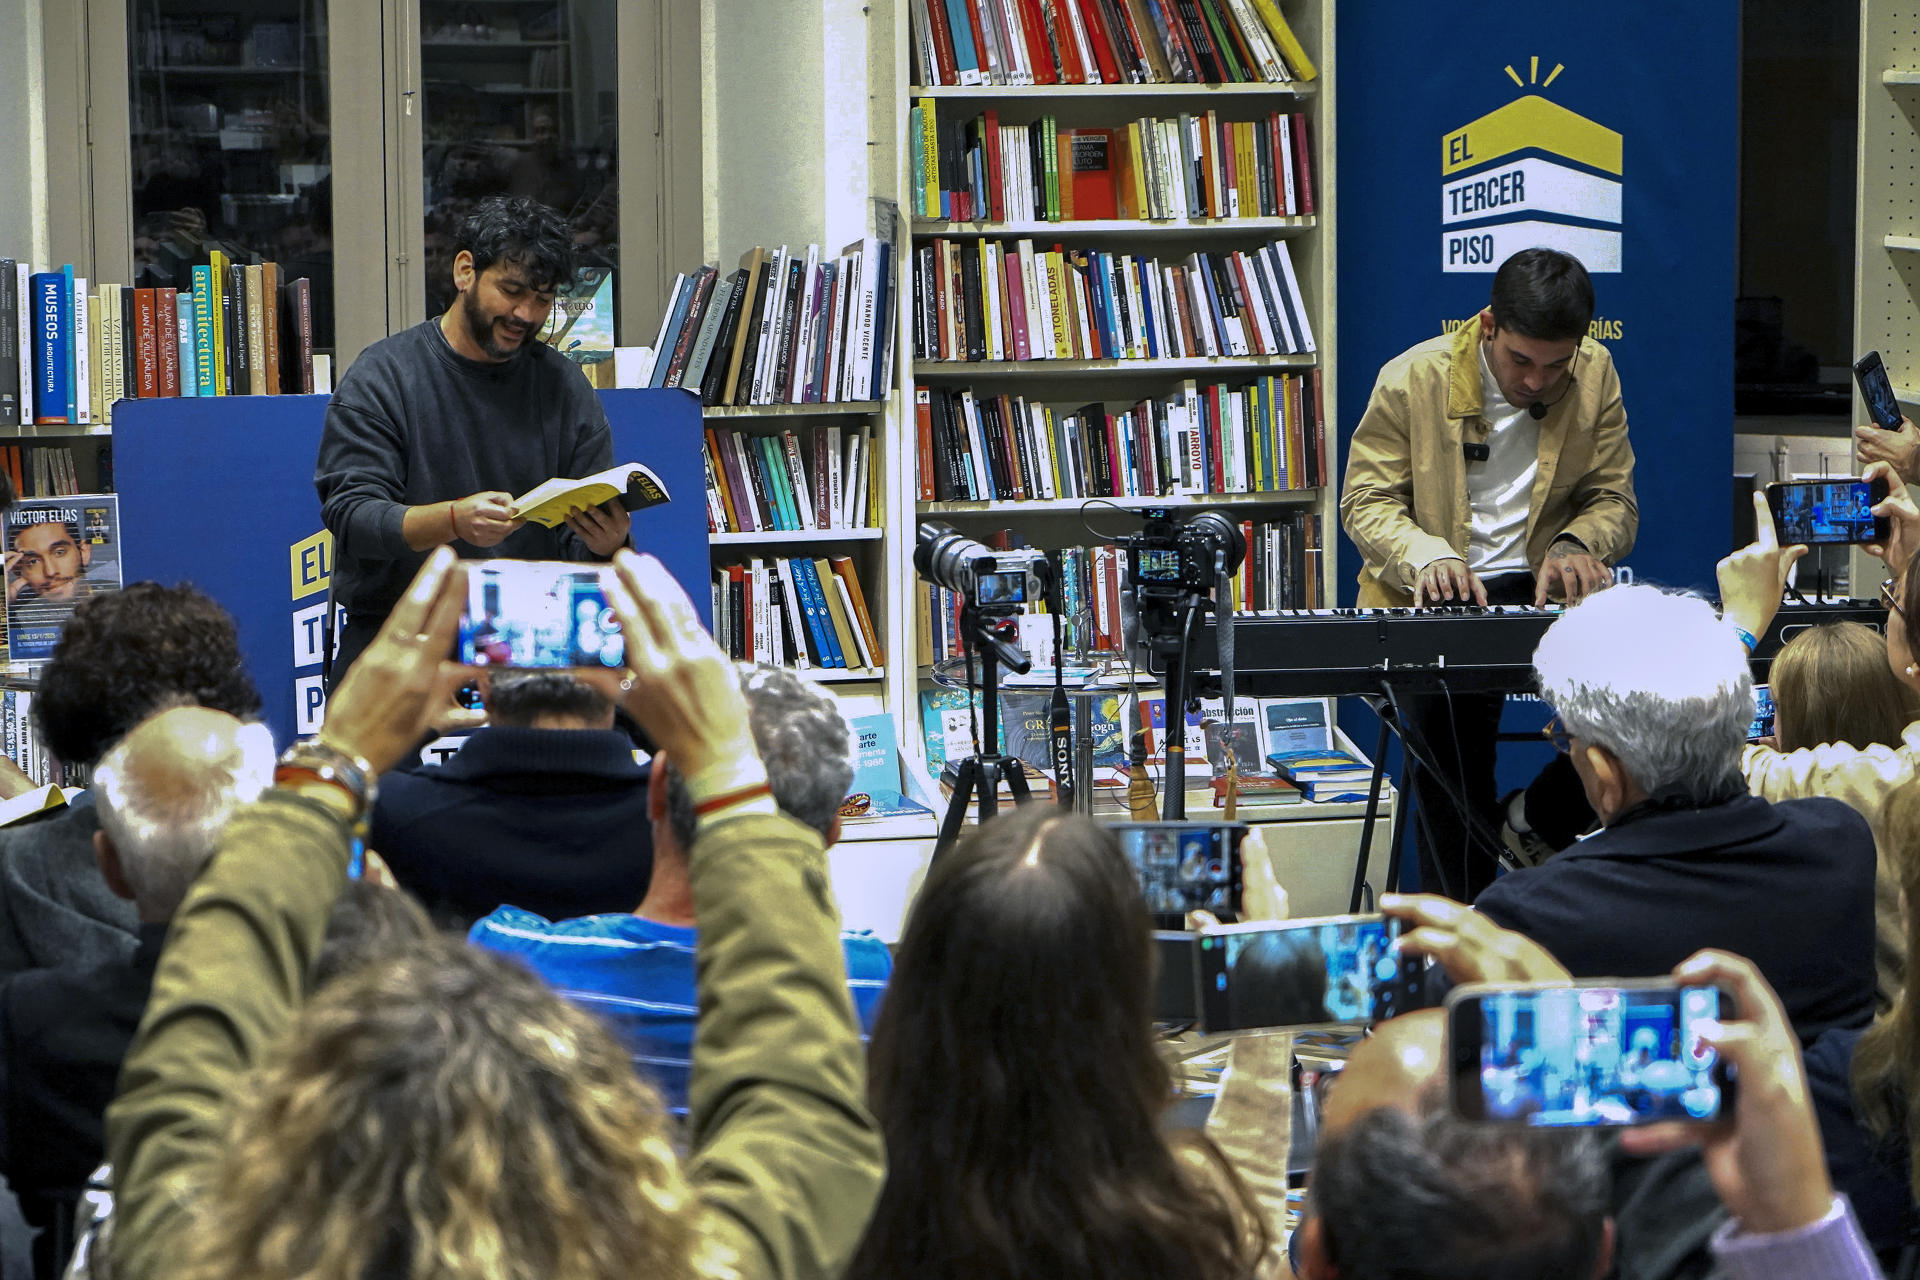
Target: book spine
point(85, 345)
point(303, 295)
point(797, 480)
point(270, 326)
point(166, 343)
point(13, 411)
point(203, 320)
point(52, 382)
point(184, 342)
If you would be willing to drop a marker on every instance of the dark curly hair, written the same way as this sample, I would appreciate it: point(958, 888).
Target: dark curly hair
point(125, 655)
point(520, 230)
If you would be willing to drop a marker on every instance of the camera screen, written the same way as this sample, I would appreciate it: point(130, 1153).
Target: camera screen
point(1182, 868)
point(1762, 725)
point(1597, 1056)
point(1157, 564)
point(533, 613)
point(1823, 511)
point(1313, 973)
point(1007, 587)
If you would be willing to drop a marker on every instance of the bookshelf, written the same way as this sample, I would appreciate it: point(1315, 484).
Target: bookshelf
point(1310, 239)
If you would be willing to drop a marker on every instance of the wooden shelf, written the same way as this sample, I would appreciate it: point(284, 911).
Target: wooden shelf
point(1110, 92)
point(1168, 228)
point(1014, 508)
point(837, 675)
point(958, 370)
point(778, 536)
point(824, 410)
point(54, 431)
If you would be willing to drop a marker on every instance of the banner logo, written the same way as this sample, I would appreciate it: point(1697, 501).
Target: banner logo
point(1531, 174)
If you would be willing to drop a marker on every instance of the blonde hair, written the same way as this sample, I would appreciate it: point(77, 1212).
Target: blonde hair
point(1832, 684)
point(442, 1115)
point(1885, 1072)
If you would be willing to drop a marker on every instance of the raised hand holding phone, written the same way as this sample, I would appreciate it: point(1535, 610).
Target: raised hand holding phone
point(1753, 578)
point(1902, 520)
point(1465, 943)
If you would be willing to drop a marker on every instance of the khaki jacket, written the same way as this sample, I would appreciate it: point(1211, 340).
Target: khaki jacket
point(787, 1161)
point(1404, 503)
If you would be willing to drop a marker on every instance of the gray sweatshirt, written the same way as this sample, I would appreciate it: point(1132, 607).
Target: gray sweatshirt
point(413, 422)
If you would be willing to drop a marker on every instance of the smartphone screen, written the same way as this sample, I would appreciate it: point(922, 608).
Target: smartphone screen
point(1827, 512)
point(1184, 866)
point(1593, 1056)
point(1334, 971)
point(1762, 725)
point(538, 613)
point(1877, 390)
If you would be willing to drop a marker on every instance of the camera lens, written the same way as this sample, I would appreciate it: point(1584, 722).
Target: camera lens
point(1212, 532)
point(946, 557)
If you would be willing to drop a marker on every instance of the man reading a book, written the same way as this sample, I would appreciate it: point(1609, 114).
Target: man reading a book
point(1491, 467)
point(433, 430)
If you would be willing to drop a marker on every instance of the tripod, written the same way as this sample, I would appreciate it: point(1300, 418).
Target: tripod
point(981, 773)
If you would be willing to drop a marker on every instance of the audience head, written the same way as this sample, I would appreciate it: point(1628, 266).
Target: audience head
point(805, 743)
point(545, 700)
point(1833, 684)
point(1402, 1196)
point(369, 922)
point(1886, 1062)
point(165, 792)
point(1655, 692)
point(1015, 1076)
point(442, 1113)
point(126, 654)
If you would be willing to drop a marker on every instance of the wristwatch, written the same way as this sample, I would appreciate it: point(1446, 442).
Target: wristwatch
point(312, 760)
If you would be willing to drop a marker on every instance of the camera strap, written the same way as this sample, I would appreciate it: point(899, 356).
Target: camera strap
point(1223, 611)
point(1060, 714)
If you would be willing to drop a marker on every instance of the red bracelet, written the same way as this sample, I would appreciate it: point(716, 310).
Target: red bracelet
point(453, 525)
point(728, 799)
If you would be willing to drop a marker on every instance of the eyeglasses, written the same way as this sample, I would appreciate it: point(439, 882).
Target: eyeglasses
point(1557, 734)
point(1887, 597)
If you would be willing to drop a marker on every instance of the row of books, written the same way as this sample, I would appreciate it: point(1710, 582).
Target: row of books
point(21, 742)
point(1266, 437)
point(241, 330)
point(795, 480)
point(1281, 571)
point(981, 300)
point(42, 471)
point(797, 612)
point(1192, 165)
point(958, 42)
point(787, 327)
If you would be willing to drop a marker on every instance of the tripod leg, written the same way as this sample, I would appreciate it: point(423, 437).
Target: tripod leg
point(966, 779)
point(1016, 779)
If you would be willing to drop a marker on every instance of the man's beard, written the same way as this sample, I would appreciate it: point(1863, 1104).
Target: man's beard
point(480, 329)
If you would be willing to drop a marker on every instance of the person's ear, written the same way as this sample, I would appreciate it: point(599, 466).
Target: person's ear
point(463, 272)
point(833, 831)
point(657, 788)
point(1310, 1251)
point(1486, 323)
point(1609, 781)
point(107, 858)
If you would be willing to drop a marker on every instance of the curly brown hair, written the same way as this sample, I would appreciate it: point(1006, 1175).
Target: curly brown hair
point(442, 1115)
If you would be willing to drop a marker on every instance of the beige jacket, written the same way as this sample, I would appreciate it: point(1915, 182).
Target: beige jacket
point(1405, 499)
point(1862, 780)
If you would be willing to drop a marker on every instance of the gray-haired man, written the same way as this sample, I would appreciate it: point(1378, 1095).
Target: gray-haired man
point(1653, 696)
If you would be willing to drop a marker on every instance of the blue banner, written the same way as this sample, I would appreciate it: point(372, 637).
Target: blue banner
point(219, 491)
point(1608, 132)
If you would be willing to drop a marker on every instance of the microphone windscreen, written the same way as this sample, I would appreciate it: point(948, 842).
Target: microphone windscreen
point(1537, 410)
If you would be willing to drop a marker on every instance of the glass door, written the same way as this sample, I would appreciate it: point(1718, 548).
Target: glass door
point(230, 141)
point(519, 97)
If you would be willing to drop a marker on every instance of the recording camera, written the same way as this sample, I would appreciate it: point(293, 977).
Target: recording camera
point(1168, 559)
point(998, 582)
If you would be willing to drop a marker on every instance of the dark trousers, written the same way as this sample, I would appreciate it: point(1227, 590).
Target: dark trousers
point(1460, 733)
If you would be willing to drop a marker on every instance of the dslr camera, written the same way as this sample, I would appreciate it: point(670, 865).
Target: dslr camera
point(997, 583)
point(1169, 559)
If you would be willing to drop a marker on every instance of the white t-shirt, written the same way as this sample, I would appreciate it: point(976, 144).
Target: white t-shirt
point(1500, 490)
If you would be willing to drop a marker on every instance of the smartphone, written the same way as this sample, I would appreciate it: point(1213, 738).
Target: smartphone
point(1827, 512)
point(1173, 977)
point(1184, 866)
point(1762, 724)
point(1609, 1055)
point(1329, 972)
point(538, 613)
point(1877, 390)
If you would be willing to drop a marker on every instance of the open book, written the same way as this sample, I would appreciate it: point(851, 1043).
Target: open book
point(548, 504)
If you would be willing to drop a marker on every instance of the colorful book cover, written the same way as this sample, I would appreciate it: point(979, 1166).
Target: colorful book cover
point(72, 348)
point(58, 553)
point(52, 376)
point(1294, 725)
point(876, 773)
point(945, 722)
point(581, 324)
point(187, 317)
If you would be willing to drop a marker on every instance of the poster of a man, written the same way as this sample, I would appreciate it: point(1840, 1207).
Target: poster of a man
point(57, 554)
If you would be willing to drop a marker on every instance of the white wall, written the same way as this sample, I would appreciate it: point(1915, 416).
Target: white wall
point(23, 193)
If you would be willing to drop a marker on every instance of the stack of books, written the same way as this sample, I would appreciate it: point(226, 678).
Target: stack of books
point(788, 327)
point(240, 330)
point(1324, 776)
point(48, 471)
point(1266, 437)
point(1104, 42)
point(1192, 165)
point(820, 479)
point(798, 612)
point(982, 300)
